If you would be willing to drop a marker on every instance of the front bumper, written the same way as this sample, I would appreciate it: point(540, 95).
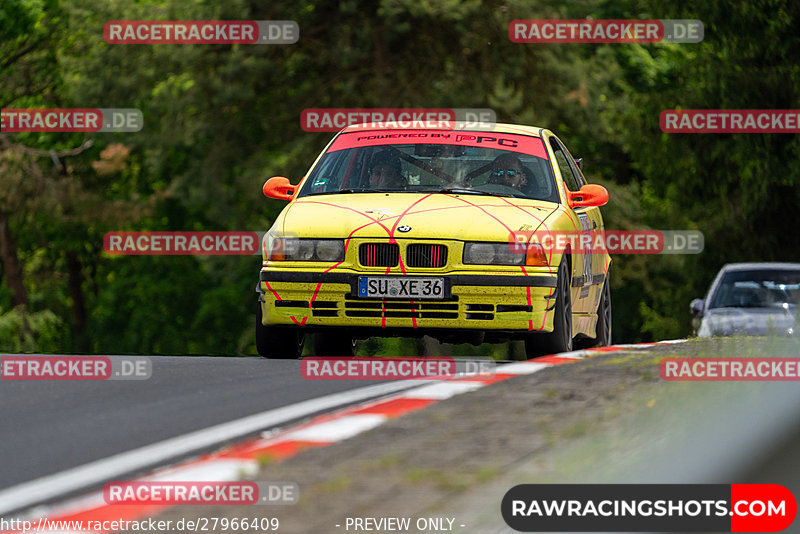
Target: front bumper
point(506, 302)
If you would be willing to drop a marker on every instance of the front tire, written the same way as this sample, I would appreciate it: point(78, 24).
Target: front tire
point(560, 339)
point(278, 342)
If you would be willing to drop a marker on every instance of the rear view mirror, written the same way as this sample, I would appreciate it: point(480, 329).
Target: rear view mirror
point(439, 151)
point(697, 307)
point(279, 187)
point(426, 151)
point(590, 195)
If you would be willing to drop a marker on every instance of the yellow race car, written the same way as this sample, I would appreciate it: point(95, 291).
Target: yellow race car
point(435, 231)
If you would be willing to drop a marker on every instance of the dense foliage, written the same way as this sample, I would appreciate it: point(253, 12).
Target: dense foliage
point(219, 119)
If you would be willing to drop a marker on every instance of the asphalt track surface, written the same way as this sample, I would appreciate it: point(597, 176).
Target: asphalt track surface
point(50, 426)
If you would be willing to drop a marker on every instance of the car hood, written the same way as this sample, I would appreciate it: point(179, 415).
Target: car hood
point(422, 216)
point(748, 321)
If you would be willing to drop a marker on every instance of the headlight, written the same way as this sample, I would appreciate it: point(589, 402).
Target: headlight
point(502, 254)
point(505, 256)
point(330, 250)
point(293, 249)
point(480, 253)
point(491, 254)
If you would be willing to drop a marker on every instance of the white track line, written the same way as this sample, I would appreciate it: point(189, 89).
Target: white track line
point(337, 430)
point(47, 487)
point(521, 368)
point(441, 390)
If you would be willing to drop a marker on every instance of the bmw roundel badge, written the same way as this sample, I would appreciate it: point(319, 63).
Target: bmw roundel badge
point(404, 228)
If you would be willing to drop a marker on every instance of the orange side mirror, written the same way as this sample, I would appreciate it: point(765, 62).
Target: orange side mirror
point(588, 196)
point(279, 187)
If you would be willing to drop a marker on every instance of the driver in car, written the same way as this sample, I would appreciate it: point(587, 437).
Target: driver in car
point(507, 170)
point(385, 171)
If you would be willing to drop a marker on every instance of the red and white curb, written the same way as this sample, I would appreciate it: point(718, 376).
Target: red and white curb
point(242, 459)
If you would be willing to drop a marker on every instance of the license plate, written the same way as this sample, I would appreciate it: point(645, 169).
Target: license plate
point(400, 288)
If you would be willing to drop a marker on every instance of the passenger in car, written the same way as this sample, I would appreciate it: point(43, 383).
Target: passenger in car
point(507, 170)
point(385, 171)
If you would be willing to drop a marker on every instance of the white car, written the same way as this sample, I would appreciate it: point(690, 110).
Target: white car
point(756, 299)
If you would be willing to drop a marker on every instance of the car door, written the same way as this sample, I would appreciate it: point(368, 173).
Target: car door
point(600, 257)
point(588, 277)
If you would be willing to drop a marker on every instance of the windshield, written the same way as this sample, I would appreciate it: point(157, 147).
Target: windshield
point(758, 289)
point(433, 168)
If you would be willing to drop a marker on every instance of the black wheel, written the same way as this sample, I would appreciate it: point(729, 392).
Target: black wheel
point(278, 342)
point(560, 339)
point(604, 317)
point(334, 344)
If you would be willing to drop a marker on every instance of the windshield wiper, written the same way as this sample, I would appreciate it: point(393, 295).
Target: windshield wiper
point(458, 191)
point(342, 191)
point(345, 191)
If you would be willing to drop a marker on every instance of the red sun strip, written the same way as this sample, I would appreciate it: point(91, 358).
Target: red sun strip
point(523, 144)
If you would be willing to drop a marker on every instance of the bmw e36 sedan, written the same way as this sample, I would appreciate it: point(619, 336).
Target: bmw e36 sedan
point(411, 232)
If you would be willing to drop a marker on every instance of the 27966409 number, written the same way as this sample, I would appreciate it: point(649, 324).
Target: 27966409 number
point(243, 524)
